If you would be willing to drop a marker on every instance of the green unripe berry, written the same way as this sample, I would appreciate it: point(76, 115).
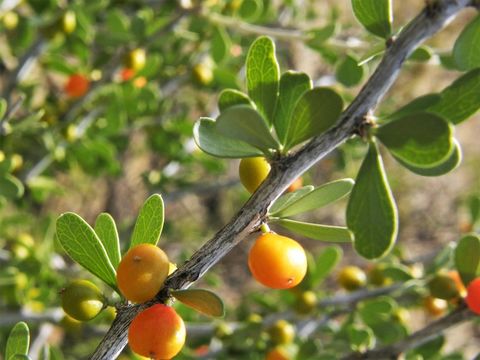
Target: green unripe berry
point(442, 286)
point(82, 300)
point(253, 171)
point(282, 332)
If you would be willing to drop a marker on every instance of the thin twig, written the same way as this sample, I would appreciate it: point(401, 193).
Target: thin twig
point(286, 170)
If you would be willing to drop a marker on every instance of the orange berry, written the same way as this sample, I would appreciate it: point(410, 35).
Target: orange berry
point(277, 353)
point(253, 171)
point(142, 272)
point(294, 186)
point(473, 296)
point(157, 333)
point(127, 73)
point(77, 85)
point(277, 261)
point(140, 82)
point(435, 306)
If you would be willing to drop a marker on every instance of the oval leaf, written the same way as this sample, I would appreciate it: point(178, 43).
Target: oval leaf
point(203, 301)
point(107, 233)
point(220, 44)
point(232, 97)
point(325, 263)
point(447, 166)
point(466, 50)
point(460, 100)
point(241, 122)
point(262, 76)
point(371, 211)
point(319, 197)
point(467, 258)
point(375, 15)
point(325, 233)
point(149, 225)
point(11, 187)
point(421, 139)
point(285, 200)
point(212, 142)
point(415, 106)
point(83, 245)
point(292, 86)
point(348, 72)
point(18, 341)
point(316, 111)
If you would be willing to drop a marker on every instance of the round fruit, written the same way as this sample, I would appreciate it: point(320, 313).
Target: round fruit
point(69, 22)
point(277, 353)
point(435, 306)
point(351, 278)
point(127, 73)
point(253, 171)
point(277, 261)
point(294, 186)
point(10, 20)
point(82, 300)
point(157, 332)
point(473, 296)
point(306, 302)
point(77, 85)
point(376, 276)
point(203, 74)
point(136, 59)
point(142, 272)
point(442, 286)
point(282, 332)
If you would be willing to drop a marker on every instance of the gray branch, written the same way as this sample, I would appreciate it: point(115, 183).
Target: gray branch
point(286, 170)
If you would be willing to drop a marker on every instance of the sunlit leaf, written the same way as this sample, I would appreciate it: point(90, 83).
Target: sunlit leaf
point(107, 233)
point(11, 187)
point(149, 224)
point(262, 76)
point(467, 258)
point(289, 198)
point(18, 340)
point(348, 72)
point(204, 301)
point(375, 15)
point(466, 50)
point(232, 97)
point(82, 244)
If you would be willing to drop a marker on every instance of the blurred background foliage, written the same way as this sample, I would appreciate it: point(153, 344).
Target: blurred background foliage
point(131, 135)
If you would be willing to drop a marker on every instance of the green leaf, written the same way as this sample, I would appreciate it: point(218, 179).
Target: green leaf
point(20, 357)
point(232, 97)
point(212, 142)
point(107, 233)
point(250, 9)
point(220, 44)
point(243, 123)
point(397, 272)
point(262, 76)
point(360, 339)
point(467, 258)
point(11, 187)
point(348, 72)
point(377, 310)
point(421, 139)
point(83, 245)
point(466, 50)
point(371, 212)
point(325, 263)
point(325, 233)
point(319, 197)
point(445, 167)
point(316, 111)
point(3, 107)
point(460, 100)
point(417, 105)
point(317, 37)
point(375, 15)
point(149, 225)
point(18, 340)
point(292, 86)
point(289, 198)
point(421, 54)
point(204, 301)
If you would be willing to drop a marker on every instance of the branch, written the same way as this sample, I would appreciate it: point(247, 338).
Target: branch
point(286, 170)
point(462, 313)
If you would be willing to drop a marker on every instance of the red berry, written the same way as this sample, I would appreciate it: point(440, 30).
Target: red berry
point(473, 296)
